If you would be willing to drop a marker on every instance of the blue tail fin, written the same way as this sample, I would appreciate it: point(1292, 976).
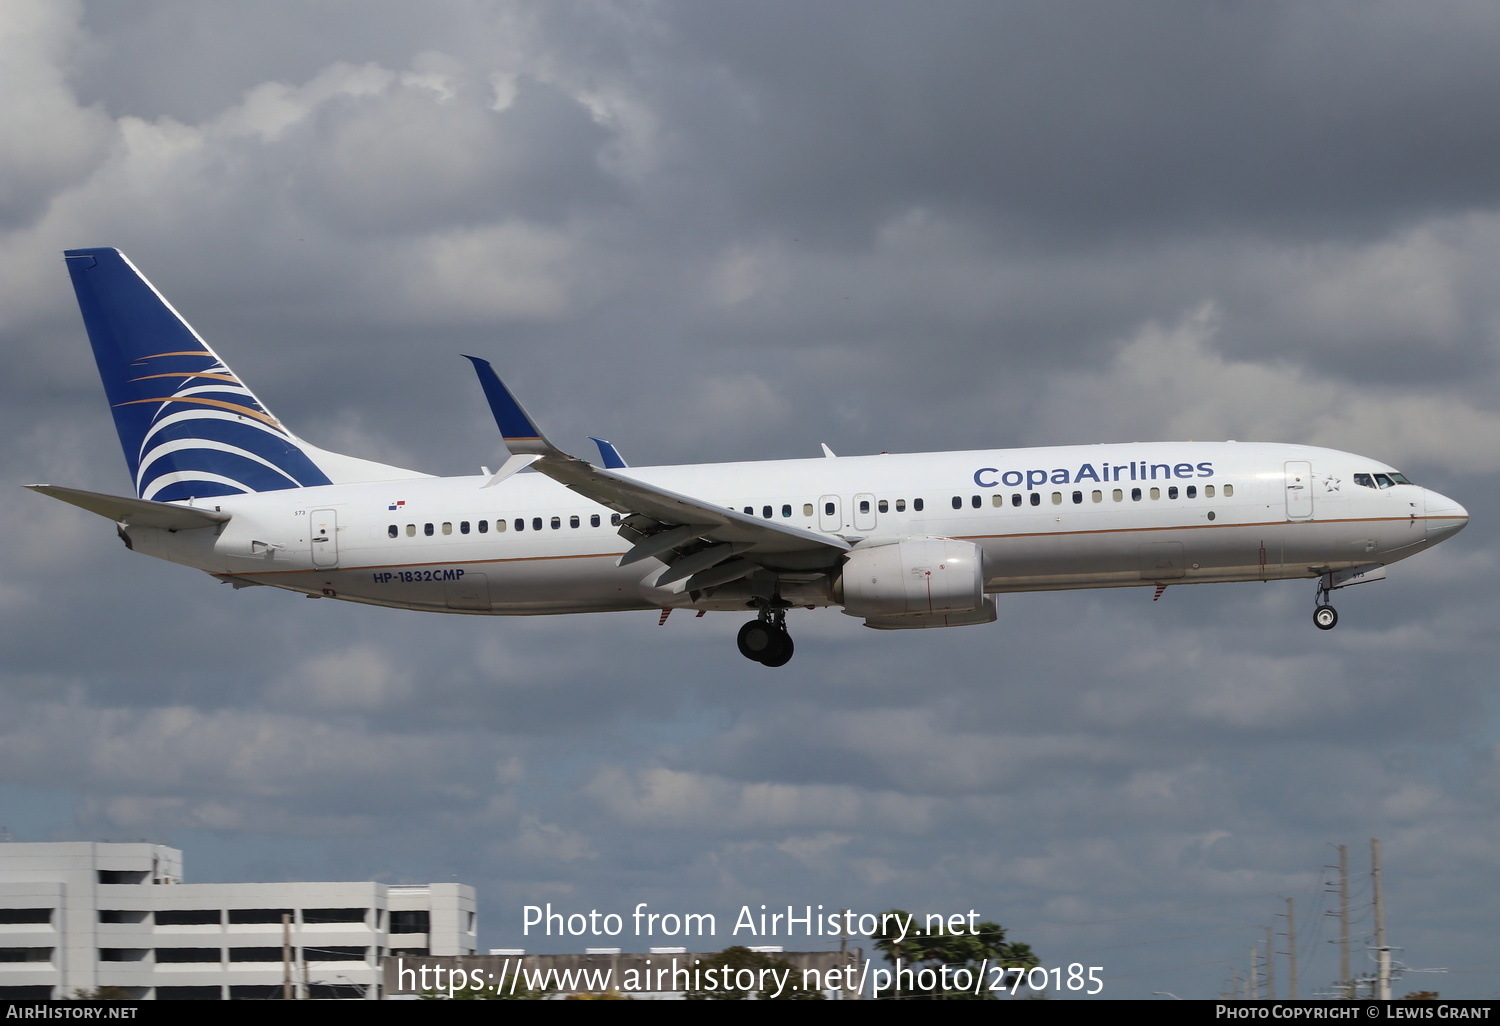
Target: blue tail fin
point(188, 426)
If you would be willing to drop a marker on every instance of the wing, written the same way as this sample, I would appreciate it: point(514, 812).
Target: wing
point(703, 544)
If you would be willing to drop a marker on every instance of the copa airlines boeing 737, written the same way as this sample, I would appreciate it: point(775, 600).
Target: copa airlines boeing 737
point(900, 541)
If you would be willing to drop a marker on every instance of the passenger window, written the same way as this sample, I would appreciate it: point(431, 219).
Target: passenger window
point(573, 521)
point(1172, 492)
point(520, 524)
point(1015, 500)
point(1228, 491)
point(411, 530)
point(614, 520)
point(827, 509)
point(1077, 498)
point(1036, 498)
point(1208, 491)
point(1098, 495)
point(786, 509)
point(536, 523)
point(916, 505)
point(807, 509)
point(1057, 498)
point(463, 527)
point(997, 500)
point(958, 502)
point(883, 506)
point(1155, 493)
point(392, 531)
point(447, 528)
point(1118, 495)
point(427, 530)
point(484, 526)
point(749, 511)
point(1192, 491)
point(864, 506)
point(556, 523)
point(594, 520)
point(900, 505)
point(1135, 495)
point(975, 501)
point(765, 512)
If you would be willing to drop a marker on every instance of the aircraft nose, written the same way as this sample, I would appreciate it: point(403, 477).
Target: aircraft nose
point(1445, 518)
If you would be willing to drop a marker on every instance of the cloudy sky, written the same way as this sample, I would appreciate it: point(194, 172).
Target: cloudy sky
point(733, 231)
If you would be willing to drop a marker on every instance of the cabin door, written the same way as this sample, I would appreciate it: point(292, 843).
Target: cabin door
point(323, 527)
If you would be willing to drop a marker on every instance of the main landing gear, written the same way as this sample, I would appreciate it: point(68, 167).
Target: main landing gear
point(1325, 617)
point(765, 639)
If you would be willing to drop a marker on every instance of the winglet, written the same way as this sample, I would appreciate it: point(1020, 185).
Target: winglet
point(609, 454)
point(520, 432)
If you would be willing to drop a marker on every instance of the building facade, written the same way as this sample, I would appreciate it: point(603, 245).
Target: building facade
point(80, 916)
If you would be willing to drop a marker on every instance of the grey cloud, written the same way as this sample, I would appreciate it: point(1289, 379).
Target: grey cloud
point(727, 233)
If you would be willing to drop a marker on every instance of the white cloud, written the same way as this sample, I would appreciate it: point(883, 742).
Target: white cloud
point(360, 678)
point(50, 140)
point(675, 799)
point(1169, 381)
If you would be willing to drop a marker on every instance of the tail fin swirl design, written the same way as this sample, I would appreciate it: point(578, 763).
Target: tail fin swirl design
point(188, 425)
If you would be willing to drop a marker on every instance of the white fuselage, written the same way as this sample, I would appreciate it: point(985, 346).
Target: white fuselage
point(1045, 518)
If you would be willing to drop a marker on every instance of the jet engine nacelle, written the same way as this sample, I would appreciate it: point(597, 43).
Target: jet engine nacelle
point(925, 576)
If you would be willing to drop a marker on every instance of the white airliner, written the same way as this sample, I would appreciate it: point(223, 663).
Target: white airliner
point(900, 541)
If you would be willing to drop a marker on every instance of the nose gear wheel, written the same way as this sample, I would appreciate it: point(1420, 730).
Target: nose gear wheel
point(1325, 617)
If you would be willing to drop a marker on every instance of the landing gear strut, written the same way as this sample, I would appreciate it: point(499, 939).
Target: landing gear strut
point(1325, 617)
point(765, 639)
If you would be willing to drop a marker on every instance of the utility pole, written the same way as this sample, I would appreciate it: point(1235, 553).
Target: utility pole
point(1382, 953)
point(843, 945)
point(286, 957)
point(1344, 977)
point(1291, 944)
point(1271, 963)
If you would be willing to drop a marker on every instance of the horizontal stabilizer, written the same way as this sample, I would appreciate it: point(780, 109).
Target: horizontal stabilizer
point(510, 468)
point(609, 454)
point(136, 512)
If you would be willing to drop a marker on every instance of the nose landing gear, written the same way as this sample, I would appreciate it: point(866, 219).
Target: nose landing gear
point(1325, 617)
point(765, 639)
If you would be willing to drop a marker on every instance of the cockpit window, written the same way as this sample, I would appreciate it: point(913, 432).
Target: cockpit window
point(1381, 481)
